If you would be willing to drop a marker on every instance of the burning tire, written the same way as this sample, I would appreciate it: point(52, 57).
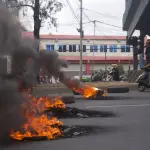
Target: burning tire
point(75, 93)
point(68, 99)
point(117, 89)
point(99, 94)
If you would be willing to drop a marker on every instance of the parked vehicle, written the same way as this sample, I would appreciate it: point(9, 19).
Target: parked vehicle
point(143, 81)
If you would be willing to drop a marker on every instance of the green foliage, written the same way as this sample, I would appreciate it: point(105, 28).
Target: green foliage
point(121, 69)
point(47, 9)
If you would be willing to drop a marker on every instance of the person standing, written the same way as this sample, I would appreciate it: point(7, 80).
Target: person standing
point(38, 78)
point(147, 53)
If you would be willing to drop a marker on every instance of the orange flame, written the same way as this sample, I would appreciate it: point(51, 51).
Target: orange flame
point(51, 103)
point(40, 125)
point(87, 91)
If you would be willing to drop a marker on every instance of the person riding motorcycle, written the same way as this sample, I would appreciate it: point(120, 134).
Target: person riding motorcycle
point(147, 69)
point(115, 71)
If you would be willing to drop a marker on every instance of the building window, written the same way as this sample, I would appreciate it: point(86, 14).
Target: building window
point(79, 48)
point(84, 48)
point(64, 48)
point(74, 48)
point(49, 47)
point(128, 49)
point(70, 48)
point(113, 48)
point(93, 48)
point(125, 48)
point(60, 48)
point(103, 48)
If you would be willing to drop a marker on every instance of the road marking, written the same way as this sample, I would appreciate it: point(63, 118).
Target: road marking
point(114, 106)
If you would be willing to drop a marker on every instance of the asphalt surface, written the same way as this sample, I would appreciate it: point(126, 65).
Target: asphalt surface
point(130, 130)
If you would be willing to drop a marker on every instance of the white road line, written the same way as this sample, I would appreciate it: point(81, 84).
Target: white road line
point(114, 106)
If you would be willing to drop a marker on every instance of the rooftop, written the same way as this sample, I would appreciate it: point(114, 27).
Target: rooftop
point(74, 37)
point(87, 37)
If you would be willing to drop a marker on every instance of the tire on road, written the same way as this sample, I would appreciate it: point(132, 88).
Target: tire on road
point(75, 93)
point(68, 99)
point(141, 87)
point(114, 89)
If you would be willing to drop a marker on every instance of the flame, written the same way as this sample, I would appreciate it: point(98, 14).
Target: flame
point(42, 127)
point(38, 124)
point(87, 91)
point(51, 103)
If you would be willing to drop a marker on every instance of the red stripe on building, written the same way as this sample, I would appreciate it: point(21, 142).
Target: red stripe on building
point(95, 58)
point(86, 37)
point(28, 34)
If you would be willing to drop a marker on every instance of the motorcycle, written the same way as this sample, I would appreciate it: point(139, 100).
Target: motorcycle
point(143, 81)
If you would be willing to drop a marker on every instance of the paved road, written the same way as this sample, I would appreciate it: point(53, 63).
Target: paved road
point(129, 131)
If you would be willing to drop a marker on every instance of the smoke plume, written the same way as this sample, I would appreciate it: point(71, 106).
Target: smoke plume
point(26, 62)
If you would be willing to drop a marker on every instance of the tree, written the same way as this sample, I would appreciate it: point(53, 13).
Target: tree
point(121, 69)
point(42, 11)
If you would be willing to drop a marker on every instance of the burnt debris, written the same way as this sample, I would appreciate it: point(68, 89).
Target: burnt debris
point(70, 132)
point(72, 112)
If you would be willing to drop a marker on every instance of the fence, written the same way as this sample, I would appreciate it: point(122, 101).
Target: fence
point(133, 75)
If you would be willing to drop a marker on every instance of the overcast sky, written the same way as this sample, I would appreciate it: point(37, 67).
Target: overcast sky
point(107, 11)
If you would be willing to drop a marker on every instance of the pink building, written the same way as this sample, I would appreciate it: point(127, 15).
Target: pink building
point(99, 52)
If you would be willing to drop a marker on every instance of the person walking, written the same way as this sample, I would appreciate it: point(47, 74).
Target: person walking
point(147, 53)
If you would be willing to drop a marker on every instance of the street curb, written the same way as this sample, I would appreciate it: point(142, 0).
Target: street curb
point(66, 90)
point(69, 93)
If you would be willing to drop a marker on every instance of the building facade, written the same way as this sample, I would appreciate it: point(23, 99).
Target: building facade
point(99, 52)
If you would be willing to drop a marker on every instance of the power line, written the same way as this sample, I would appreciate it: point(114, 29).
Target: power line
point(110, 30)
point(107, 37)
point(69, 4)
point(109, 24)
point(84, 14)
point(71, 24)
point(102, 14)
point(98, 20)
point(102, 22)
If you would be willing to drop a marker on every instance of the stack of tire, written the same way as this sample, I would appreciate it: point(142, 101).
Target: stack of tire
point(112, 89)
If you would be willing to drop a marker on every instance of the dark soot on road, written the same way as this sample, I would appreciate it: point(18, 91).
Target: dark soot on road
point(72, 112)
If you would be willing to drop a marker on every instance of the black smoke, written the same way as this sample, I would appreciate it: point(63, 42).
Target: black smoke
point(25, 65)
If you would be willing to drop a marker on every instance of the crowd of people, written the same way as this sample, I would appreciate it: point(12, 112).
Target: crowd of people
point(47, 80)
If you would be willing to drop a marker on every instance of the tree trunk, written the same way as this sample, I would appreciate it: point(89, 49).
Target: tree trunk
point(37, 25)
point(37, 22)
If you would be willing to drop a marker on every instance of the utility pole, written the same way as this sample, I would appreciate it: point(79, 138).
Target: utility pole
point(81, 37)
point(94, 22)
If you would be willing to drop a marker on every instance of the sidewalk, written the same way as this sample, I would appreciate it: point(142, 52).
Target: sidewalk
point(94, 84)
point(62, 90)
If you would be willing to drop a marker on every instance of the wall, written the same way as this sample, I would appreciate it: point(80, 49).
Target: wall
point(74, 69)
point(108, 42)
point(95, 67)
point(102, 66)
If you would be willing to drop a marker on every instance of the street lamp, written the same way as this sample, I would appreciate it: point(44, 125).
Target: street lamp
point(105, 65)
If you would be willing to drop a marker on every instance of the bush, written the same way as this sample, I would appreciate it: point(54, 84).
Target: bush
point(121, 69)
